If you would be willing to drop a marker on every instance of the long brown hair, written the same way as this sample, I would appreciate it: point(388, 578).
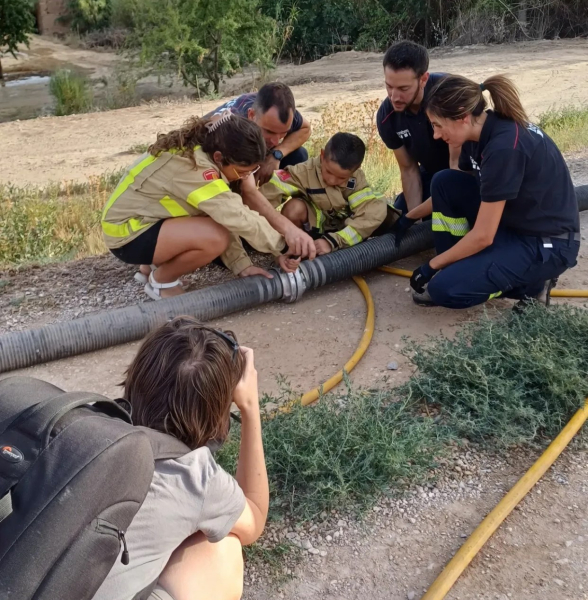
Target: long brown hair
point(238, 139)
point(455, 96)
point(182, 381)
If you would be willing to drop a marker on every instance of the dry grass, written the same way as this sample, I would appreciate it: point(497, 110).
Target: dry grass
point(380, 166)
point(60, 221)
point(568, 127)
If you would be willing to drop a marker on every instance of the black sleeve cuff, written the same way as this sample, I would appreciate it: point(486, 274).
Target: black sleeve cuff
point(332, 240)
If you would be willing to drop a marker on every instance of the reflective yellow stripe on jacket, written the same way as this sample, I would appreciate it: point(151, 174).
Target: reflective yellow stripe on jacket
point(175, 209)
point(319, 216)
point(208, 191)
point(286, 188)
point(350, 235)
point(360, 197)
point(124, 229)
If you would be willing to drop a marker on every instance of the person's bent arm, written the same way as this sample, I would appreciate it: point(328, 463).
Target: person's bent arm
point(251, 472)
point(299, 243)
point(421, 211)
point(295, 139)
point(480, 237)
point(410, 176)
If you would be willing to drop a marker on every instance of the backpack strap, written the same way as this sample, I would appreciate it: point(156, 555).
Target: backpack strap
point(164, 446)
point(22, 440)
point(38, 420)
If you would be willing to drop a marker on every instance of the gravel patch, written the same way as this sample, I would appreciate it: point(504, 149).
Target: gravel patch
point(41, 294)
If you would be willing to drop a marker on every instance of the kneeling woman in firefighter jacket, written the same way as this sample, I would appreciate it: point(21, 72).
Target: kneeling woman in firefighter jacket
point(510, 226)
point(173, 209)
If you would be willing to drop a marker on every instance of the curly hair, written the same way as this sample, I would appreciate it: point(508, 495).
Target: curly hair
point(238, 139)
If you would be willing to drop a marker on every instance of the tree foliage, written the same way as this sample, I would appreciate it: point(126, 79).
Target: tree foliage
point(330, 25)
point(207, 40)
point(16, 23)
point(89, 15)
point(202, 41)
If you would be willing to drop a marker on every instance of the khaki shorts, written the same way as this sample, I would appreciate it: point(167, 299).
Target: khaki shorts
point(159, 594)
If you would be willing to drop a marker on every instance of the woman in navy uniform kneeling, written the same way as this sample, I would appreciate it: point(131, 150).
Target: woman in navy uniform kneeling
point(505, 224)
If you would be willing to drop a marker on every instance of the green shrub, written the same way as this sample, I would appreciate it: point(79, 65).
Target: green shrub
point(514, 379)
point(509, 380)
point(121, 88)
point(343, 452)
point(57, 222)
point(124, 13)
point(89, 15)
point(72, 92)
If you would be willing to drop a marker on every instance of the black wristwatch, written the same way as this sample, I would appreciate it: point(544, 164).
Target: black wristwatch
point(277, 154)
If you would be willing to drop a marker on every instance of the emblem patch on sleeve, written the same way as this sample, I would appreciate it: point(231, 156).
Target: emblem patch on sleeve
point(351, 183)
point(209, 175)
point(283, 175)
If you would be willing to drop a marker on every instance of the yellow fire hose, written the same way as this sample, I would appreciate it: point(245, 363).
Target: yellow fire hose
point(490, 524)
point(366, 338)
point(569, 293)
point(554, 293)
point(368, 332)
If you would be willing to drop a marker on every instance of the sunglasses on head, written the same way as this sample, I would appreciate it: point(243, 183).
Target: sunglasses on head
point(230, 341)
point(225, 336)
point(235, 346)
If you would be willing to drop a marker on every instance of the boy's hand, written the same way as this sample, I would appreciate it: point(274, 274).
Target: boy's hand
point(288, 264)
point(322, 247)
point(246, 394)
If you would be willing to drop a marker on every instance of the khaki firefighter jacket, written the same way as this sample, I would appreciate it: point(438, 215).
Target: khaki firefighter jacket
point(167, 186)
point(350, 214)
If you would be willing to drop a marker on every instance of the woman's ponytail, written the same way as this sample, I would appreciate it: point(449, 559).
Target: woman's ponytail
point(455, 96)
point(506, 99)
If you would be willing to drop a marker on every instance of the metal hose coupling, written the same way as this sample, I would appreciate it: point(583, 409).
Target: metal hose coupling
point(293, 284)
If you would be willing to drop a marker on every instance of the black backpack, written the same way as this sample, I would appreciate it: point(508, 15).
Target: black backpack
point(72, 477)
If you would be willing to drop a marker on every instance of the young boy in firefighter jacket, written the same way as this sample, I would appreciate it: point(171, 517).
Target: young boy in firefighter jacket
point(329, 197)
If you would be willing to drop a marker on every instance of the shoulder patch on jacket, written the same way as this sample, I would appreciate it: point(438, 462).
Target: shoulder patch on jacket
point(209, 175)
point(351, 183)
point(283, 175)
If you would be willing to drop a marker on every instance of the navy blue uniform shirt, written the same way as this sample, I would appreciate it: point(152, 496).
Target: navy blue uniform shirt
point(414, 132)
point(524, 167)
point(242, 104)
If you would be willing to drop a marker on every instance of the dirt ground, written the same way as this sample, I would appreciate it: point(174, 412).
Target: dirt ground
point(548, 73)
point(541, 552)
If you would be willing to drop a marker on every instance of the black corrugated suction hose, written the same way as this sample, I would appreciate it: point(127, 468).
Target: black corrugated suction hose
point(582, 197)
point(102, 330)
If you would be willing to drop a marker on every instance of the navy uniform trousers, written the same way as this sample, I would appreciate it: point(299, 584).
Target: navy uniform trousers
point(514, 266)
